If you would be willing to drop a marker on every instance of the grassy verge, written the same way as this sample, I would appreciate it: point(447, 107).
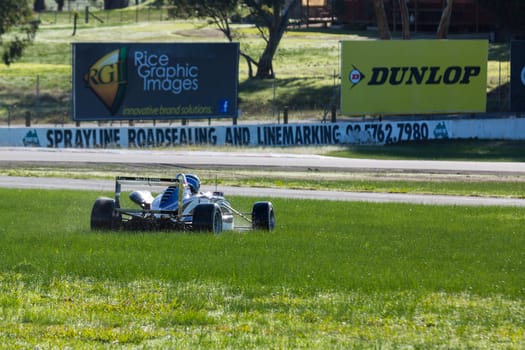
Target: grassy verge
point(470, 150)
point(473, 185)
point(511, 185)
point(331, 276)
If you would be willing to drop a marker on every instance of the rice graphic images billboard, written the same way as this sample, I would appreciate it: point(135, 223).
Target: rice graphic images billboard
point(413, 76)
point(131, 81)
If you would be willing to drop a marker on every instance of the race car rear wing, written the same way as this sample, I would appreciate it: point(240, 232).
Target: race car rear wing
point(179, 181)
point(152, 181)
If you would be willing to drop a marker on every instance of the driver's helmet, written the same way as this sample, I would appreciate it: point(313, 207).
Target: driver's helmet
point(193, 182)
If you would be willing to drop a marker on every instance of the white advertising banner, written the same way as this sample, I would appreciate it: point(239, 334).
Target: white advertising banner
point(267, 135)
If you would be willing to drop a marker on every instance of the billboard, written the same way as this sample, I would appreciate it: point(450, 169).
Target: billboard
point(413, 76)
point(517, 76)
point(126, 81)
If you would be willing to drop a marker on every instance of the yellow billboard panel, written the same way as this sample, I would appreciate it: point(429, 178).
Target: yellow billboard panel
point(413, 76)
point(319, 3)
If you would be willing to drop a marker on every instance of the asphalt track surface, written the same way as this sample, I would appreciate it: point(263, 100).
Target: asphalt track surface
point(260, 160)
point(252, 159)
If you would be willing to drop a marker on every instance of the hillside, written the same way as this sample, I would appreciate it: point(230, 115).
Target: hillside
point(306, 65)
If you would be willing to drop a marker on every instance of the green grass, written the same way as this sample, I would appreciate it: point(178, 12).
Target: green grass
point(513, 189)
point(332, 275)
point(464, 150)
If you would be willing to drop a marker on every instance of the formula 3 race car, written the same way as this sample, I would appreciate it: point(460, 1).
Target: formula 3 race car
point(179, 205)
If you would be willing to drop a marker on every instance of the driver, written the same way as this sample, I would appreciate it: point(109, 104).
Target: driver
point(194, 183)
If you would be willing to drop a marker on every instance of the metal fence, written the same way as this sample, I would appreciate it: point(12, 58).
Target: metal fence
point(39, 105)
point(89, 14)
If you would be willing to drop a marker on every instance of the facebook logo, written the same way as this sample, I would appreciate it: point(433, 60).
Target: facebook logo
point(224, 106)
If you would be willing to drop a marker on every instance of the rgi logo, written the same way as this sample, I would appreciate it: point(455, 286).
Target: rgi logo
point(107, 78)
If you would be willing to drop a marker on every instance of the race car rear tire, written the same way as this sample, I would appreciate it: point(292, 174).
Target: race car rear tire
point(207, 218)
point(104, 216)
point(263, 216)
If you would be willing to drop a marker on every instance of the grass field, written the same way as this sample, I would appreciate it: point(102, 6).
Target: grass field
point(332, 275)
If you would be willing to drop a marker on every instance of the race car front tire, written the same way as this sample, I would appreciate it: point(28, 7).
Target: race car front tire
point(207, 218)
point(104, 216)
point(263, 216)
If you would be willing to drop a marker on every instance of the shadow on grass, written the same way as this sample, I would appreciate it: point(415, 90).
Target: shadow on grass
point(296, 93)
point(475, 150)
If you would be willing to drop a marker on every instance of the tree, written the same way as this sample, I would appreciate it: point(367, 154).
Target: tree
point(16, 19)
point(444, 22)
point(382, 22)
point(271, 19)
point(405, 21)
point(218, 13)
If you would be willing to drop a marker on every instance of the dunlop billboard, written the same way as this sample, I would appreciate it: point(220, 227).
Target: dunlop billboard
point(413, 76)
point(125, 81)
